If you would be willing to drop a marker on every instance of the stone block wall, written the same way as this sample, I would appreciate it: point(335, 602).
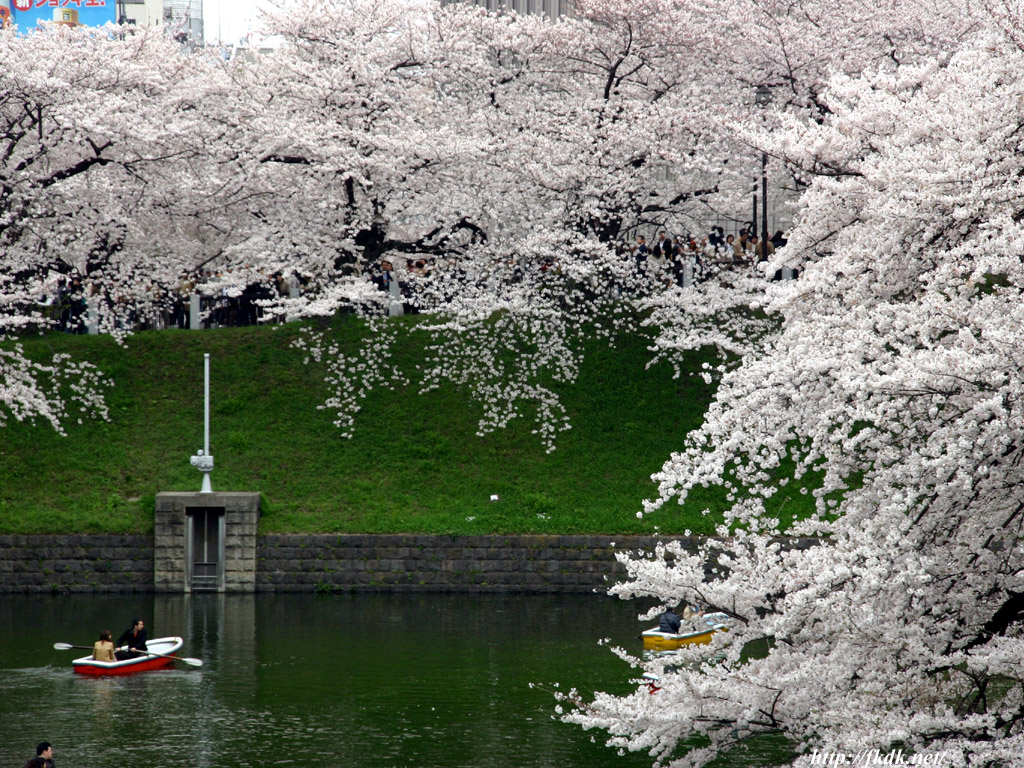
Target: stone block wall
point(336, 562)
point(362, 562)
point(76, 563)
point(240, 546)
point(169, 544)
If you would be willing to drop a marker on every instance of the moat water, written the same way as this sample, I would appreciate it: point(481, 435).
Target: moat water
point(353, 681)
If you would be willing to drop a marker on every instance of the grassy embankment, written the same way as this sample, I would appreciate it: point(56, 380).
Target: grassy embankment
point(415, 463)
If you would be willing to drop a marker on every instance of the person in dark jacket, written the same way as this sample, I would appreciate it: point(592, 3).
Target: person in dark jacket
point(44, 756)
point(669, 622)
point(134, 638)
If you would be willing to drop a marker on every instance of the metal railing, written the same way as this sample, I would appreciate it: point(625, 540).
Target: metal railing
point(204, 576)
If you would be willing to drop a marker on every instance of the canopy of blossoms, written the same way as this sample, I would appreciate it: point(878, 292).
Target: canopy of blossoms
point(514, 158)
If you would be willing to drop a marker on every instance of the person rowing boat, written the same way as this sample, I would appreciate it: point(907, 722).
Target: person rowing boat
point(133, 640)
point(160, 652)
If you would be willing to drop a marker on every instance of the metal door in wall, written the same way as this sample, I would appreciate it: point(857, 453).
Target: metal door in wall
point(205, 548)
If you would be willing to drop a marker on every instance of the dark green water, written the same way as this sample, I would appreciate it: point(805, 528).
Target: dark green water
point(360, 681)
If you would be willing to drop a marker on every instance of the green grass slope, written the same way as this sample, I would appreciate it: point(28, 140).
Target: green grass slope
point(415, 464)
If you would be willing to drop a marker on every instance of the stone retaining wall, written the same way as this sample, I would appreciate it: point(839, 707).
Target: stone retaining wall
point(361, 562)
point(336, 562)
point(76, 563)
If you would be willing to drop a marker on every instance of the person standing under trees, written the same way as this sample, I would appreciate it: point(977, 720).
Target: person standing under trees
point(741, 248)
point(677, 265)
point(664, 247)
point(758, 249)
point(134, 638)
point(727, 252)
point(385, 276)
point(640, 256)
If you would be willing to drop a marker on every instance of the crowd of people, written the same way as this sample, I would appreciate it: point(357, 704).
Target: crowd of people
point(663, 261)
point(687, 258)
point(67, 307)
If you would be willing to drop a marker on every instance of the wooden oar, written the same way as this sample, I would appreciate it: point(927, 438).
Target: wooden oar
point(186, 659)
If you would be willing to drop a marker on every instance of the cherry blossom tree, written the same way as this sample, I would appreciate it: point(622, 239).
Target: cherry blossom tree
point(896, 374)
point(101, 133)
point(417, 129)
point(514, 153)
point(511, 156)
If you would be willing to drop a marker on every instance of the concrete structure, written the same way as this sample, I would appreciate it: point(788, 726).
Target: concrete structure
point(205, 542)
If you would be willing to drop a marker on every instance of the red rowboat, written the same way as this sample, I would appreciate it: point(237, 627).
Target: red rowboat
point(165, 646)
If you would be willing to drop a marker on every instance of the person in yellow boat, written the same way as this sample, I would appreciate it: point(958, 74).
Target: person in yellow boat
point(692, 613)
point(103, 649)
point(669, 622)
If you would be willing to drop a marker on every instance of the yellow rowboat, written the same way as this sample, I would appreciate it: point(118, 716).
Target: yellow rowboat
point(656, 640)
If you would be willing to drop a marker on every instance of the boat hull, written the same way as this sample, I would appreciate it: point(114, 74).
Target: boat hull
point(666, 641)
point(87, 665)
point(656, 640)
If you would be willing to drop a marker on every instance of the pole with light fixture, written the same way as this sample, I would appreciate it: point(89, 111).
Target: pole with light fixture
point(203, 460)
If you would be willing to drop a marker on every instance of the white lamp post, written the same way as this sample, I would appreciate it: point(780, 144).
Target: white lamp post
point(203, 460)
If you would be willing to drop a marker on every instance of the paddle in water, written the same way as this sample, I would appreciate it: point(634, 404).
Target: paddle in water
point(191, 662)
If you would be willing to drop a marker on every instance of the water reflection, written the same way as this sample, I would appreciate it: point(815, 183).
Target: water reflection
point(357, 680)
point(362, 681)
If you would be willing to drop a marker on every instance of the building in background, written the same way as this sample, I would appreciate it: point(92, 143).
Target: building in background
point(184, 20)
point(142, 13)
point(28, 14)
point(181, 18)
